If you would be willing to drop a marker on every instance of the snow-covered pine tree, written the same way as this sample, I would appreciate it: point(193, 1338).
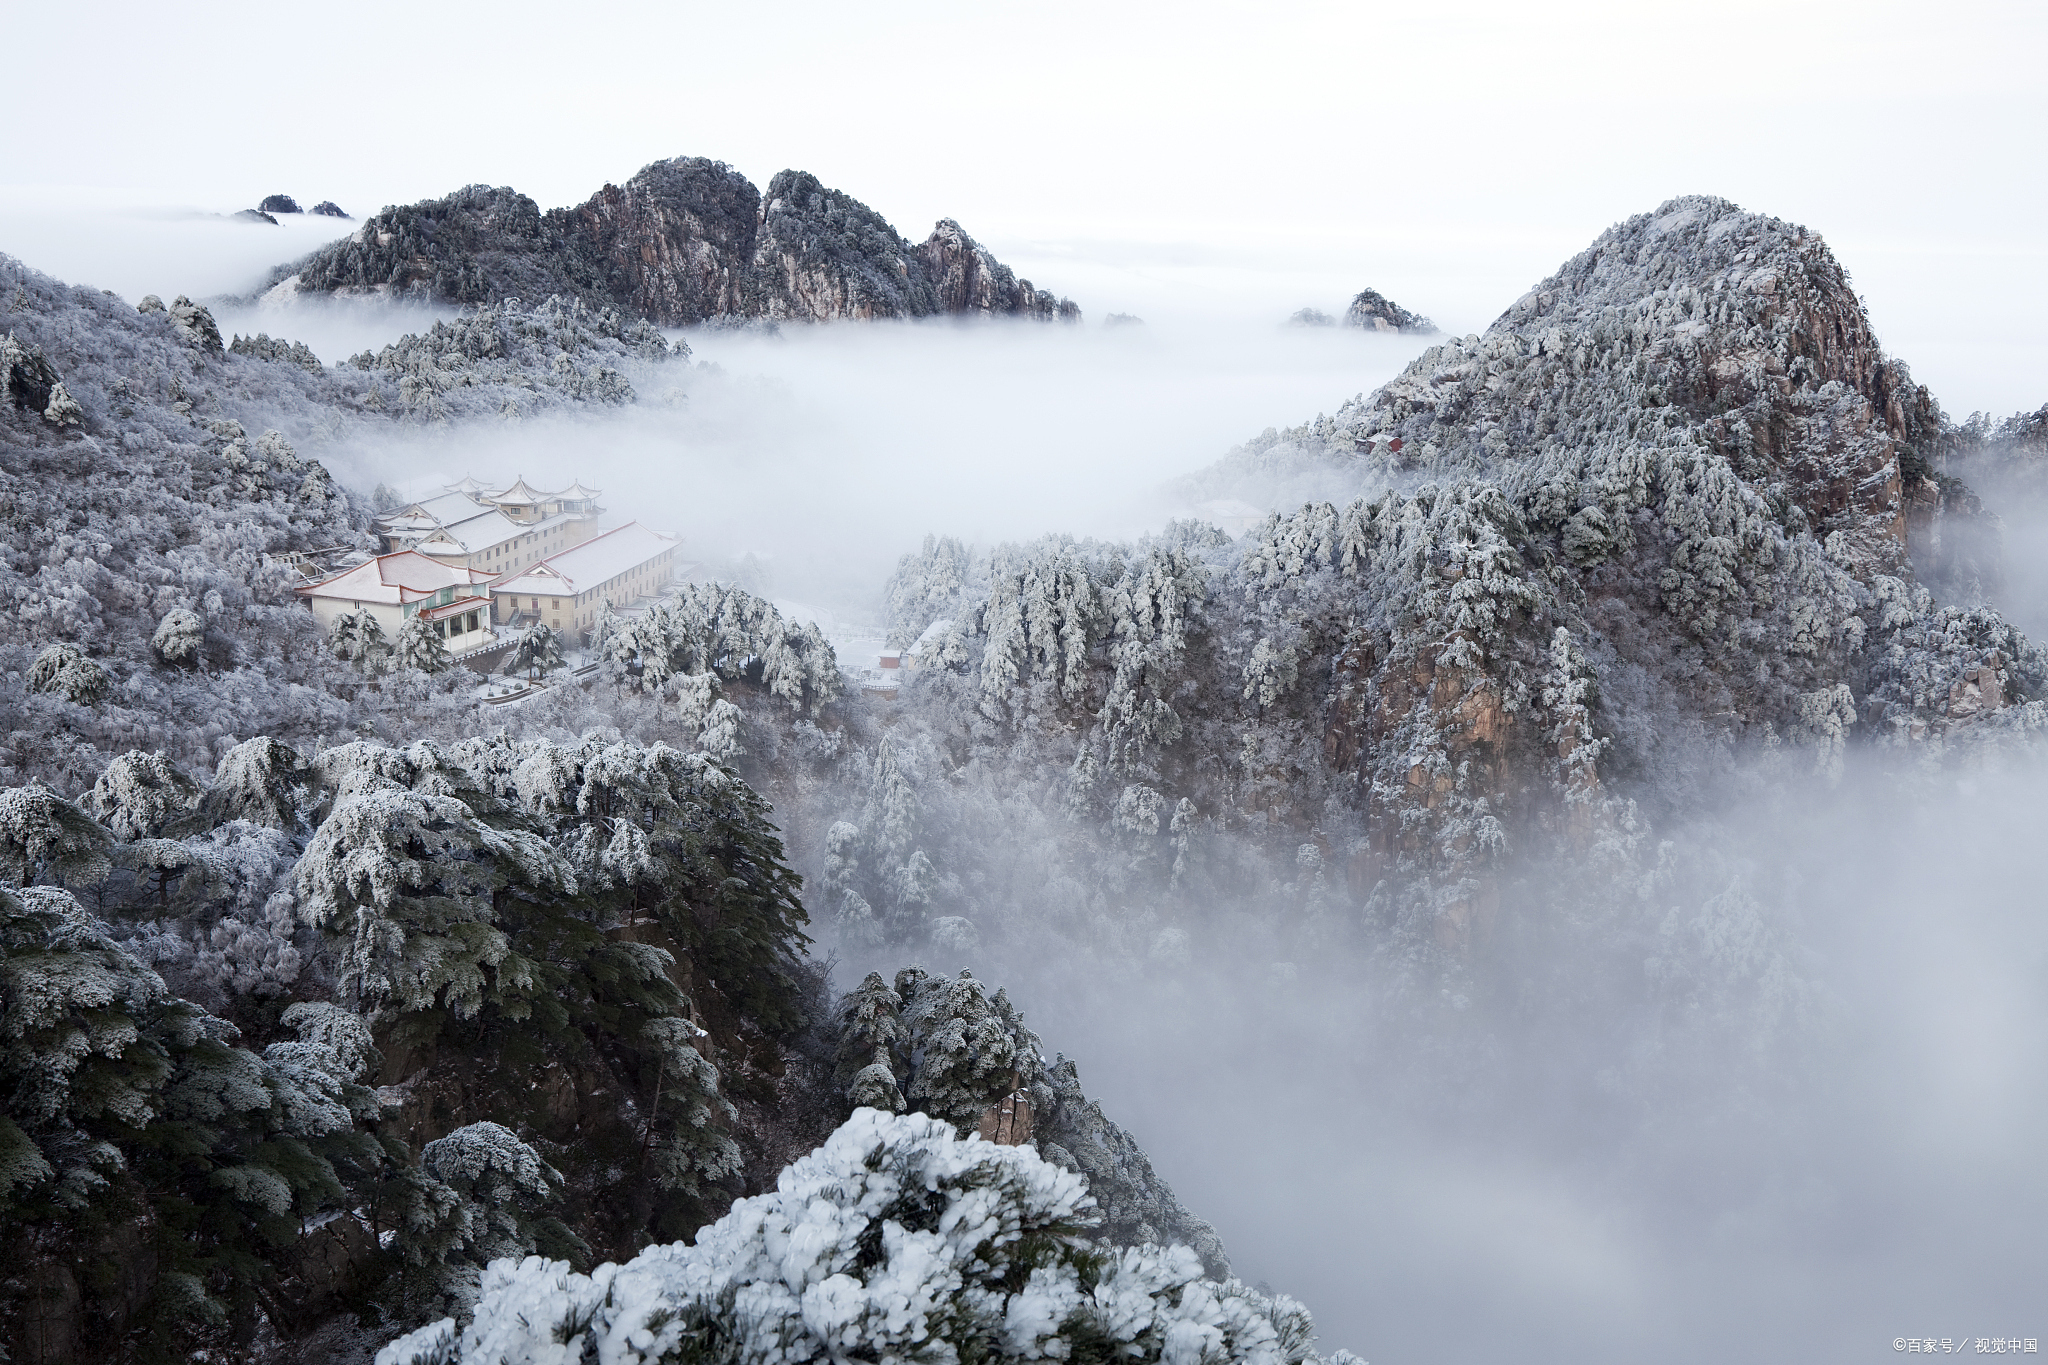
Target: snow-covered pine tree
point(478, 1194)
point(142, 796)
point(45, 837)
point(179, 637)
point(539, 651)
point(63, 670)
point(419, 646)
point(988, 1242)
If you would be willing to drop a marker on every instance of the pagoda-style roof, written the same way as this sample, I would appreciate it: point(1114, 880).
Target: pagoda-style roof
point(468, 484)
point(443, 509)
point(576, 492)
point(520, 491)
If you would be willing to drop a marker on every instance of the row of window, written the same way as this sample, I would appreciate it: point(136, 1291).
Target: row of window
point(630, 578)
point(595, 594)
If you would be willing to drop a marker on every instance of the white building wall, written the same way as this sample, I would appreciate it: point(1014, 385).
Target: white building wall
point(326, 609)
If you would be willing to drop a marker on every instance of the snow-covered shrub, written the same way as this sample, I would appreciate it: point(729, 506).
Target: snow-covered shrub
point(63, 670)
point(63, 410)
point(895, 1240)
point(43, 835)
point(179, 636)
point(142, 796)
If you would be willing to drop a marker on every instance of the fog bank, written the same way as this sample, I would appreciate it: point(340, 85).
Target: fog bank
point(827, 452)
point(136, 244)
point(1542, 1170)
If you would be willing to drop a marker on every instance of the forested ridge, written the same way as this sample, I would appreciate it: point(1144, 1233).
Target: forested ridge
point(344, 1016)
point(320, 991)
point(1674, 512)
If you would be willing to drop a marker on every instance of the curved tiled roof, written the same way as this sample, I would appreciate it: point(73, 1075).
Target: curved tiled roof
point(520, 491)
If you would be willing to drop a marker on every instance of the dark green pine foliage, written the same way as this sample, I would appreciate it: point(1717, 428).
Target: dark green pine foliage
point(541, 950)
point(137, 1130)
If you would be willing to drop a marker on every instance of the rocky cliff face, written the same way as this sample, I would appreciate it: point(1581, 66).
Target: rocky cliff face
point(675, 244)
point(823, 254)
point(965, 278)
point(684, 241)
point(1375, 312)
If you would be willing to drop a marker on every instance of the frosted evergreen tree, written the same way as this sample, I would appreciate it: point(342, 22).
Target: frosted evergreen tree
point(695, 695)
point(720, 736)
point(479, 1194)
point(966, 1049)
point(142, 796)
point(63, 670)
point(261, 780)
point(420, 646)
point(358, 638)
point(115, 1088)
point(719, 629)
point(45, 837)
point(539, 651)
point(896, 1237)
point(405, 882)
point(179, 636)
point(613, 645)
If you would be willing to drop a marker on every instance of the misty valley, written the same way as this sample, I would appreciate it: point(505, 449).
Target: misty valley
point(688, 778)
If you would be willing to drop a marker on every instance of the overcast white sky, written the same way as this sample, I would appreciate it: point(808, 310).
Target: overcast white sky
point(1184, 159)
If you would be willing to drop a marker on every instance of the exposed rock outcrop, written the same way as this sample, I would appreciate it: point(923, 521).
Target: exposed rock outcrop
point(192, 323)
point(280, 203)
point(1376, 313)
point(675, 244)
point(327, 208)
point(965, 278)
point(684, 241)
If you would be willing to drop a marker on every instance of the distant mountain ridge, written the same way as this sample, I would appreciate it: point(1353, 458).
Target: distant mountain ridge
point(685, 241)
